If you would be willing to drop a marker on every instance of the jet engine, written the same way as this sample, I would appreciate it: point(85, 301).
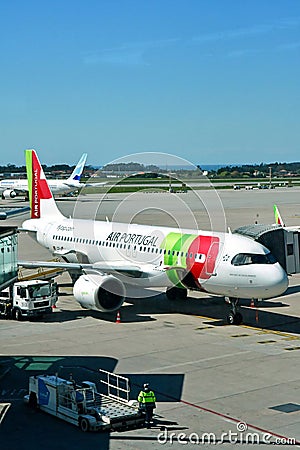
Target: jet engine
point(99, 292)
point(8, 193)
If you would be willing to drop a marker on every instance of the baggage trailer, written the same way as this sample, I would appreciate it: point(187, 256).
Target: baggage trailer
point(82, 405)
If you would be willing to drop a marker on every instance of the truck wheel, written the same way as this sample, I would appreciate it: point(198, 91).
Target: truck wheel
point(18, 314)
point(32, 400)
point(84, 425)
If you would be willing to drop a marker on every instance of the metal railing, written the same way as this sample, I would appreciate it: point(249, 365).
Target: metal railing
point(118, 387)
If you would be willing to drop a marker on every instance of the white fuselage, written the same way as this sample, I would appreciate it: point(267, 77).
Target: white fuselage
point(57, 187)
point(209, 256)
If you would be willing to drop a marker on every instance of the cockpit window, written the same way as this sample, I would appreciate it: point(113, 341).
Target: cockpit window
point(242, 259)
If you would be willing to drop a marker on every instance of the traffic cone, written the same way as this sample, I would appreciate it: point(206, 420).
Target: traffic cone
point(252, 305)
point(118, 319)
point(53, 306)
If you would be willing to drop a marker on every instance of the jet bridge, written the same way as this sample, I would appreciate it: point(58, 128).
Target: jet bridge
point(283, 242)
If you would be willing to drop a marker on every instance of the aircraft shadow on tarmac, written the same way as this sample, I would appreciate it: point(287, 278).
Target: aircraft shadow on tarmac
point(292, 290)
point(23, 428)
point(214, 308)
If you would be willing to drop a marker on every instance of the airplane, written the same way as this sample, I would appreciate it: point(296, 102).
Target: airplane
point(11, 188)
point(104, 258)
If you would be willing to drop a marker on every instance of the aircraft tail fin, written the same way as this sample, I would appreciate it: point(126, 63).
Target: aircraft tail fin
point(77, 172)
point(278, 218)
point(42, 203)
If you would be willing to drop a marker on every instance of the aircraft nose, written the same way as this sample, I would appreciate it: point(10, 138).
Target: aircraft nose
point(280, 280)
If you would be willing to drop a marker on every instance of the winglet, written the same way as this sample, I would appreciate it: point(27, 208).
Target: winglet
point(278, 218)
point(77, 172)
point(42, 203)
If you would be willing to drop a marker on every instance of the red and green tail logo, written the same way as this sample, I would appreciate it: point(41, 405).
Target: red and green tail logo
point(37, 185)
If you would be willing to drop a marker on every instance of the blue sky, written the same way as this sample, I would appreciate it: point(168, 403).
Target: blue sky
point(212, 81)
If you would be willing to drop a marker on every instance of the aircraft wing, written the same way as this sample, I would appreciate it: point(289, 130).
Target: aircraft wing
point(95, 184)
point(112, 267)
point(12, 212)
point(82, 185)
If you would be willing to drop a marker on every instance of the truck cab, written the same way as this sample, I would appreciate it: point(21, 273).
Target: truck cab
point(29, 299)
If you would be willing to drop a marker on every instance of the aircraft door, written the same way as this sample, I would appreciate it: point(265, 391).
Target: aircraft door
point(209, 268)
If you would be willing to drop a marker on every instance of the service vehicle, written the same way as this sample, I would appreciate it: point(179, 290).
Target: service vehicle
point(82, 405)
point(28, 299)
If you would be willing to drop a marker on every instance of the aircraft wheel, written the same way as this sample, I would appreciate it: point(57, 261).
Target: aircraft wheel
point(238, 319)
point(84, 425)
point(234, 319)
point(230, 319)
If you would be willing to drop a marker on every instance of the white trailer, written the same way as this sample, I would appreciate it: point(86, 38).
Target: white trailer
point(29, 299)
point(82, 405)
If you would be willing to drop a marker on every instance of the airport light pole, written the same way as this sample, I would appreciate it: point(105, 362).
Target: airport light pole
point(270, 176)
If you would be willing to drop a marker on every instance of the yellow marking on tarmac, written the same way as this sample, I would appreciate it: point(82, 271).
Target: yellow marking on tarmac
point(206, 318)
point(203, 328)
point(265, 331)
point(291, 338)
point(288, 336)
point(239, 335)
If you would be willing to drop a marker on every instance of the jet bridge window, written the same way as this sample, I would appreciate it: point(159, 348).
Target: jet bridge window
point(242, 259)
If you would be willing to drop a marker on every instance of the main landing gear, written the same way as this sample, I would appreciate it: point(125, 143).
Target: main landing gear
point(234, 317)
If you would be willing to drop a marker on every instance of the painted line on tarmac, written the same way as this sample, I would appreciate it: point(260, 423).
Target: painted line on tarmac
point(228, 418)
point(212, 358)
point(30, 342)
point(250, 327)
point(265, 331)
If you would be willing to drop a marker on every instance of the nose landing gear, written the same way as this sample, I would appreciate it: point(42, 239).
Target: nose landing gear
point(234, 317)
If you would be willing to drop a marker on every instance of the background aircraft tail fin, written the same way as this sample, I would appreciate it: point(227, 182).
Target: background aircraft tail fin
point(278, 218)
point(42, 203)
point(77, 172)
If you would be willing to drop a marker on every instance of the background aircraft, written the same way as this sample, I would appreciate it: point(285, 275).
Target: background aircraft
point(108, 256)
point(11, 188)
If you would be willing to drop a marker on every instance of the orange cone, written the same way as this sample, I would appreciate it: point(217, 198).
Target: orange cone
point(53, 306)
point(118, 319)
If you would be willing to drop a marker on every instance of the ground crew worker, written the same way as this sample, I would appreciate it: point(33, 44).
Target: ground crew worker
point(147, 401)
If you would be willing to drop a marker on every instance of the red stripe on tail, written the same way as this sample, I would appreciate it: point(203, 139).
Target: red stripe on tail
point(40, 188)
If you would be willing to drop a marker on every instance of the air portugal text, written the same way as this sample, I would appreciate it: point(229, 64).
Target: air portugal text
point(128, 238)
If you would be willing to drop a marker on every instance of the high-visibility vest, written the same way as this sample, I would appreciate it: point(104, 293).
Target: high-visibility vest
point(146, 397)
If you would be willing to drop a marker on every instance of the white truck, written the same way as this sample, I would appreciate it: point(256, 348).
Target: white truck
point(82, 405)
point(29, 299)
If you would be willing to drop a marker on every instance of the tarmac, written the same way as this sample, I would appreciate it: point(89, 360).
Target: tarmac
point(215, 383)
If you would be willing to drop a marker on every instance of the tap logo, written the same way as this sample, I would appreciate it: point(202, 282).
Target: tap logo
point(37, 185)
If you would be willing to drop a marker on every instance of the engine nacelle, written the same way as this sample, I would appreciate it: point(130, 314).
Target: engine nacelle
point(99, 292)
point(8, 193)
